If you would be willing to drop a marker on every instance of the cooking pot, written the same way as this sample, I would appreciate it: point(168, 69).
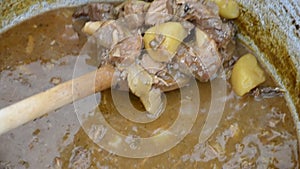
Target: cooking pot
point(270, 28)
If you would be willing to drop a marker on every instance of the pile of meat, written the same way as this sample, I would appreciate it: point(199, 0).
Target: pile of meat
point(136, 37)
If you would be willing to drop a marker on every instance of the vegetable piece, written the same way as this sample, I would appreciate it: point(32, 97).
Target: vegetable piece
point(246, 75)
point(91, 27)
point(162, 41)
point(140, 83)
point(139, 80)
point(228, 9)
point(152, 101)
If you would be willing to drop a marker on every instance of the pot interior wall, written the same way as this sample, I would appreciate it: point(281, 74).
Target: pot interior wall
point(271, 29)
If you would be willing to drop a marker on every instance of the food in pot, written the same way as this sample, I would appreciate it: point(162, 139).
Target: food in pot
point(228, 9)
point(187, 41)
point(253, 133)
point(246, 75)
point(162, 41)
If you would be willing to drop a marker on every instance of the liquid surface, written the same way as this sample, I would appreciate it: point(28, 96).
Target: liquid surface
point(41, 53)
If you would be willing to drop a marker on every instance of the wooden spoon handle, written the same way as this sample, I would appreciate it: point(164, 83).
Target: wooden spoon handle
point(54, 98)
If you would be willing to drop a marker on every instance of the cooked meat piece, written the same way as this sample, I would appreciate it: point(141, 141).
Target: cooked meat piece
point(150, 65)
point(200, 58)
point(160, 11)
point(267, 92)
point(111, 33)
point(206, 16)
point(129, 48)
point(135, 7)
point(100, 45)
point(97, 11)
point(229, 50)
point(134, 13)
point(171, 79)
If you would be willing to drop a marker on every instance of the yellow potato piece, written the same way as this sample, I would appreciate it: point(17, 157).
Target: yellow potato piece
point(170, 34)
point(246, 75)
point(91, 27)
point(139, 80)
point(228, 9)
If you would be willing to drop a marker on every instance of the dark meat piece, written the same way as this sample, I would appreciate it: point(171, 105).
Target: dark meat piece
point(101, 43)
point(134, 13)
point(206, 16)
point(267, 92)
point(229, 50)
point(129, 48)
point(202, 58)
point(135, 7)
point(97, 12)
point(160, 11)
point(111, 33)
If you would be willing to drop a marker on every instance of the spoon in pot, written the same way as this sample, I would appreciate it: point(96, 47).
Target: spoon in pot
point(42, 103)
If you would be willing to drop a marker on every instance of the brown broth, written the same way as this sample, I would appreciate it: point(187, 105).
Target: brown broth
point(251, 133)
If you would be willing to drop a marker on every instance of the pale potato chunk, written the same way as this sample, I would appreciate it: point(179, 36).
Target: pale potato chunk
point(228, 9)
point(162, 41)
point(91, 27)
point(152, 101)
point(246, 75)
point(140, 83)
point(139, 80)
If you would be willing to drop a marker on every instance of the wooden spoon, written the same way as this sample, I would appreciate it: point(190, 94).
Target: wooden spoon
point(38, 105)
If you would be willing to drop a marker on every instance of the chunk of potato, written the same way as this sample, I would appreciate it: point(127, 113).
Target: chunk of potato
point(228, 9)
point(139, 80)
point(91, 27)
point(161, 41)
point(246, 75)
point(140, 83)
point(152, 101)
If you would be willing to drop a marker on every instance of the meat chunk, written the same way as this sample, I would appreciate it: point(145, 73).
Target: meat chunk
point(129, 48)
point(110, 34)
point(134, 13)
point(97, 12)
point(150, 65)
point(205, 16)
point(160, 11)
point(200, 58)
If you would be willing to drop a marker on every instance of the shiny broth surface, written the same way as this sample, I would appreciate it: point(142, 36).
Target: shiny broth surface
point(41, 53)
